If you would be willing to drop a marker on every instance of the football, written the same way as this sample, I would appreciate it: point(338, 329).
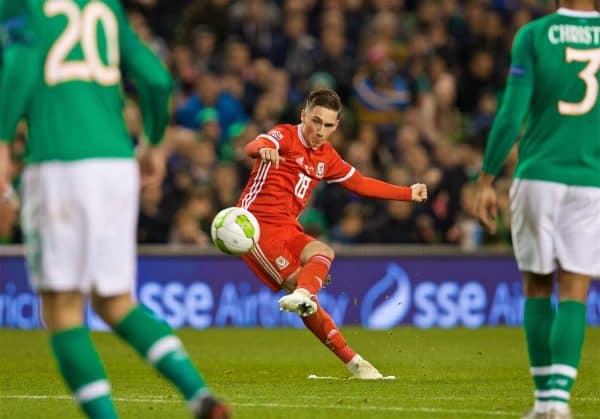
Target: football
point(235, 231)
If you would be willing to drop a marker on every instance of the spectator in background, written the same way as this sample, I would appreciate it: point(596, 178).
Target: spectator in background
point(335, 60)
point(380, 93)
point(226, 185)
point(204, 49)
point(350, 228)
point(254, 21)
point(208, 93)
point(153, 221)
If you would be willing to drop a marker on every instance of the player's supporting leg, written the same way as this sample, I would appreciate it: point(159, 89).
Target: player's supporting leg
point(323, 327)
point(538, 320)
point(155, 341)
point(75, 354)
point(566, 340)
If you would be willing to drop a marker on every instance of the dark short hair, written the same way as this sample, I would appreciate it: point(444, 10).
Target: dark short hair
point(326, 98)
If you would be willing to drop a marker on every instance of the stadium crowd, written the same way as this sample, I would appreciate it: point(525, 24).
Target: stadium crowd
point(420, 82)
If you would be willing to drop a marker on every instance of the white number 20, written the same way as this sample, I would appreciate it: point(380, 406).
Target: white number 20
point(588, 75)
point(82, 27)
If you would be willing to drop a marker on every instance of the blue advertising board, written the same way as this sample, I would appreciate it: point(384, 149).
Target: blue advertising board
point(375, 292)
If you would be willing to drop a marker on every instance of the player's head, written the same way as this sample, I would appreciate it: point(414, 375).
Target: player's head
point(320, 116)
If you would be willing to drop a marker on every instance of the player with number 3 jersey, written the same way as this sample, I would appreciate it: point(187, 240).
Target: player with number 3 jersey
point(552, 90)
point(290, 161)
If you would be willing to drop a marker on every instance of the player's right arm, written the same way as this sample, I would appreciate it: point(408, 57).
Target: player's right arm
point(507, 124)
point(267, 147)
point(515, 104)
point(152, 81)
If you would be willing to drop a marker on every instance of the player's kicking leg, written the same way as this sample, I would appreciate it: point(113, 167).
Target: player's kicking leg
point(155, 341)
point(323, 327)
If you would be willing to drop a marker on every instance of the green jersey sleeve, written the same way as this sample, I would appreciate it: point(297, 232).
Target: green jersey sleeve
point(20, 74)
point(515, 103)
point(152, 81)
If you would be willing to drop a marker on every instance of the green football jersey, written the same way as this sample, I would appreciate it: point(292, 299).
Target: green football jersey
point(67, 83)
point(553, 87)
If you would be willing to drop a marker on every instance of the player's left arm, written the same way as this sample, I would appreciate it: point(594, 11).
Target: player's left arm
point(374, 188)
point(21, 65)
point(151, 79)
point(346, 175)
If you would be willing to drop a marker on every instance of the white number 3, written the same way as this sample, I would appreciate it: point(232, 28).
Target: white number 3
point(82, 27)
point(588, 75)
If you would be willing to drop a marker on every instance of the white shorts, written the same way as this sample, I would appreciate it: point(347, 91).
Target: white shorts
point(555, 226)
point(80, 221)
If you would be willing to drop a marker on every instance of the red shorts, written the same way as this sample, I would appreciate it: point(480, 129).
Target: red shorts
point(276, 256)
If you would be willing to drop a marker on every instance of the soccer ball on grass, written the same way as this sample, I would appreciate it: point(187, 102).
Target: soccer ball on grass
point(235, 231)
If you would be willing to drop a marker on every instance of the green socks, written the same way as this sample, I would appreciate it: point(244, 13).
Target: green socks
point(554, 343)
point(84, 373)
point(566, 341)
point(538, 320)
point(154, 340)
point(82, 369)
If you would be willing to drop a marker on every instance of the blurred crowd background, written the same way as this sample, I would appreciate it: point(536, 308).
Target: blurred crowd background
point(420, 81)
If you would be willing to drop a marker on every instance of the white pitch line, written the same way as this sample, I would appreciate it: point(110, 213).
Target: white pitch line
point(151, 399)
point(317, 377)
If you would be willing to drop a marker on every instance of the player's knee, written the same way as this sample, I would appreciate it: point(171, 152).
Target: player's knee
point(112, 309)
point(62, 310)
point(328, 252)
point(323, 250)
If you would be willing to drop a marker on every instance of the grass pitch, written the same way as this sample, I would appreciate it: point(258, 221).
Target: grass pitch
point(262, 373)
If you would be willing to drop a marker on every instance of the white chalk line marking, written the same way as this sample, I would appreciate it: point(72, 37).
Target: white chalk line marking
point(158, 400)
point(326, 377)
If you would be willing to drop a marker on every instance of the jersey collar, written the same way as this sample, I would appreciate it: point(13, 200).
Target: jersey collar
point(577, 13)
point(301, 136)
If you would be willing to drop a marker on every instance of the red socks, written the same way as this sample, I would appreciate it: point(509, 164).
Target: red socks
point(312, 275)
point(326, 331)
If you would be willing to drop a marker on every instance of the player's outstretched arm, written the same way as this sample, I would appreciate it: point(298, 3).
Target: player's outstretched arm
point(373, 188)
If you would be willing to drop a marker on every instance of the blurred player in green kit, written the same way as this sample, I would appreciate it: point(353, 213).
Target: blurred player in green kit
point(555, 197)
point(62, 71)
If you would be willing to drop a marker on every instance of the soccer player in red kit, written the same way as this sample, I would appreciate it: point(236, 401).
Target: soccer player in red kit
point(290, 161)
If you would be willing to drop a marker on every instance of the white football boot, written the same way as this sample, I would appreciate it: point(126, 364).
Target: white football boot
point(362, 369)
point(300, 302)
point(555, 414)
point(532, 414)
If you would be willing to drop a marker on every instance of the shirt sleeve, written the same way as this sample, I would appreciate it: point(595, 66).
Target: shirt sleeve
point(151, 79)
point(339, 170)
point(276, 138)
point(374, 188)
point(21, 64)
point(515, 104)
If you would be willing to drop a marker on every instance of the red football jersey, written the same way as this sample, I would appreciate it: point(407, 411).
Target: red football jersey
point(279, 195)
